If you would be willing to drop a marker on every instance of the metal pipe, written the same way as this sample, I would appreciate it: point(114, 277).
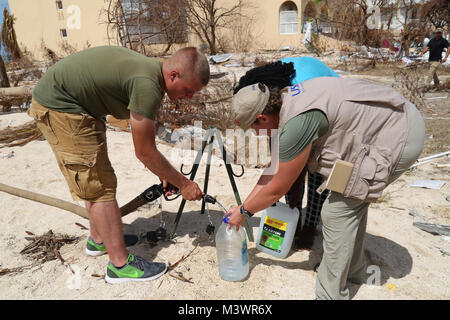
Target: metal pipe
point(430, 158)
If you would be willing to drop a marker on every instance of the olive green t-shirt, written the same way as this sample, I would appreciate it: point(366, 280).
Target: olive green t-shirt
point(101, 81)
point(300, 131)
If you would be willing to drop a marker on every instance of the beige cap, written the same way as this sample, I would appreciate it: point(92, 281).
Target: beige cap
point(248, 103)
point(438, 30)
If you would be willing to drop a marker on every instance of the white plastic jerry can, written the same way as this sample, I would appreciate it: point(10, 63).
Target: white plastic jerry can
point(277, 229)
point(232, 253)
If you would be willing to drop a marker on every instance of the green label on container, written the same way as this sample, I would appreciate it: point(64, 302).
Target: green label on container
point(272, 235)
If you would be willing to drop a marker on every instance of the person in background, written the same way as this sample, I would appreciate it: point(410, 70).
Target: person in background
point(436, 46)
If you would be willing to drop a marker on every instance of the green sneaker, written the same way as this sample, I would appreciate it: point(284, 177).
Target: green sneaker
point(94, 249)
point(97, 249)
point(136, 269)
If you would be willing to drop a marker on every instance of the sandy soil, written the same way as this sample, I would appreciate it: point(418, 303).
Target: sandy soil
point(415, 262)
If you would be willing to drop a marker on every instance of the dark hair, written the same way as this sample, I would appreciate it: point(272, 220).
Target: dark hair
point(275, 74)
point(274, 104)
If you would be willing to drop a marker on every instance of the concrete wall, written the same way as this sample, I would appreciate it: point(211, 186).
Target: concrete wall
point(40, 21)
point(267, 25)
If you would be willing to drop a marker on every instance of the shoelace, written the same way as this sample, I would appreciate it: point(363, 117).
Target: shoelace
point(139, 262)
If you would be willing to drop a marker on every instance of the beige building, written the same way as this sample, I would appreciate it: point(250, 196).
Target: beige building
point(71, 25)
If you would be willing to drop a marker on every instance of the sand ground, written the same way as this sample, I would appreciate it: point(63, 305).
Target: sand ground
point(415, 262)
point(412, 264)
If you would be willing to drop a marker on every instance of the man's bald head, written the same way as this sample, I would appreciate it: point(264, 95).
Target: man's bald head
point(190, 62)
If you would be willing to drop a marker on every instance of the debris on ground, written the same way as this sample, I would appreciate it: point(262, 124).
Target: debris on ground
point(42, 249)
point(428, 184)
point(81, 226)
point(176, 274)
point(413, 212)
point(46, 247)
point(5, 271)
point(9, 155)
point(430, 158)
point(434, 229)
point(15, 96)
point(220, 58)
point(391, 287)
point(20, 135)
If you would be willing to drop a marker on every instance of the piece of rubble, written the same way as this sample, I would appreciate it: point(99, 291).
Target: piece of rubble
point(414, 212)
point(435, 229)
point(428, 184)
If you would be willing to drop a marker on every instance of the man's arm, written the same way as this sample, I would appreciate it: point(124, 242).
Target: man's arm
point(425, 50)
point(143, 132)
point(447, 53)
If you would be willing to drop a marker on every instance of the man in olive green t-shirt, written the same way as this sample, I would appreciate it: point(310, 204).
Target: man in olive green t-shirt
point(70, 104)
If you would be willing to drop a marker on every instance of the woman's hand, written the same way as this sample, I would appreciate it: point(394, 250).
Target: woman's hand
point(234, 217)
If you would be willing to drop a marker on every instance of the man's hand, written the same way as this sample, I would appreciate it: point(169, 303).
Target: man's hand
point(168, 188)
point(235, 217)
point(191, 191)
point(143, 133)
point(444, 60)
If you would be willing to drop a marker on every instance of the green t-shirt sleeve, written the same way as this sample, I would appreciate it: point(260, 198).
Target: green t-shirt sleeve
point(145, 96)
point(300, 131)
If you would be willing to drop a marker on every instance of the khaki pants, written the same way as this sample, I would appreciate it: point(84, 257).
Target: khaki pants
point(79, 144)
point(344, 223)
point(432, 73)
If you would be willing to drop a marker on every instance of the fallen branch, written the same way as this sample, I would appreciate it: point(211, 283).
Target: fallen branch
point(176, 274)
point(171, 267)
point(5, 271)
point(81, 226)
point(179, 276)
point(19, 136)
point(16, 91)
point(46, 247)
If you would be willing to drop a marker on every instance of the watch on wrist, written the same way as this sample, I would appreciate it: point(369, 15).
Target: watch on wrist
point(245, 213)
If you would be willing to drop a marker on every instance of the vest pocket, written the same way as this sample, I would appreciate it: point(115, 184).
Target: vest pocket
point(82, 175)
point(327, 158)
point(371, 174)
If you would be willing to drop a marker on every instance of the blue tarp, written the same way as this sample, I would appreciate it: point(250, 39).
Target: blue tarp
point(3, 4)
point(307, 68)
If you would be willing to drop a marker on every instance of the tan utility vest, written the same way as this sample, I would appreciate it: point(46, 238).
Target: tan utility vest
point(368, 126)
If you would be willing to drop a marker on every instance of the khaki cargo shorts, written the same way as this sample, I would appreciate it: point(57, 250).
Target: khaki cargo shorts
point(79, 144)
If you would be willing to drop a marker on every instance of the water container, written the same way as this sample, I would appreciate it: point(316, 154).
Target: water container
point(277, 229)
point(232, 253)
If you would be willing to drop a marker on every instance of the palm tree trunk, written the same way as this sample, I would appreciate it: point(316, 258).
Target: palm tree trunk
point(4, 82)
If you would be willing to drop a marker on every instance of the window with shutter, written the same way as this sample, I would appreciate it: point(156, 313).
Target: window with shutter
point(288, 18)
